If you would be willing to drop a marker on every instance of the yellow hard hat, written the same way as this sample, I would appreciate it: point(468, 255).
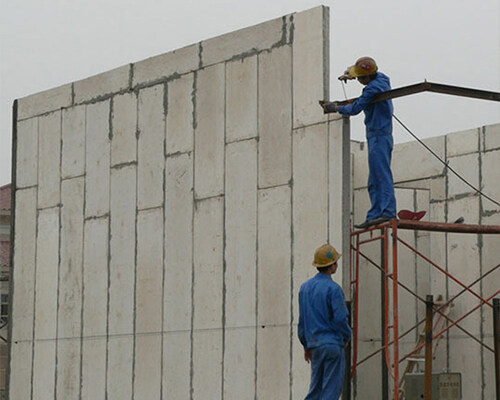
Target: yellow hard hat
point(325, 256)
point(364, 66)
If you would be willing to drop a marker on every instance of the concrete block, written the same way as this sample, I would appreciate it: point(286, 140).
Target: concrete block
point(460, 143)
point(104, 84)
point(93, 368)
point(207, 365)
point(122, 251)
point(241, 233)
point(209, 132)
point(159, 67)
point(68, 369)
point(239, 363)
point(274, 117)
point(241, 99)
point(489, 179)
point(245, 41)
point(310, 200)
point(150, 149)
point(274, 256)
point(464, 353)
point(43, 102)
point(180, 127)
point(310, 65)
point(44, 370)
point(95, 278)
point(71, 251)
point(47, 264)
point(468, 168)
point(49, 159)
point(149, 272)
point(73, 142)
point(466, 207)
point(419, 163)
point(20, 370)
point(208, 264)
point(177, 364)
point(27, 153)
point(273, 362)
point(97, 160)
point(119, 375)
point(147, 367)
point(178, 242)
point(23, 273)
point(491, 134)
point(124, 125)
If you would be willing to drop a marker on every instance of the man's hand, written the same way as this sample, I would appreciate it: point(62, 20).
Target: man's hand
point(328, 107)
point(308, 355)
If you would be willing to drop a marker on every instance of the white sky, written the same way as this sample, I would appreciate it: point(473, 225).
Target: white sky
point(47, 43)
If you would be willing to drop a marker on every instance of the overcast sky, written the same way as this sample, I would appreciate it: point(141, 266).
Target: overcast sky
point(47, 43)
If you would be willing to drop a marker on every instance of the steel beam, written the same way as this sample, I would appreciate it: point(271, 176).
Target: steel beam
point(430, 87)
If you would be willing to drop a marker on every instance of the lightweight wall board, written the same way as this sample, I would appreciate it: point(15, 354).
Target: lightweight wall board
point(166, 214)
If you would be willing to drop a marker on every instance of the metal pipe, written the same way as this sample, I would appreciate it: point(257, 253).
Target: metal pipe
point(395, 305)
point(429, 302)
point(496, 337)
point(447, 227)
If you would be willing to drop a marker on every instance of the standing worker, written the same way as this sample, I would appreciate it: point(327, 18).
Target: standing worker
point(323, 327)
point(378, 121)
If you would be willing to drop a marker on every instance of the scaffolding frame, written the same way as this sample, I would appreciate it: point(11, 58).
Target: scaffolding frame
point(389, 230)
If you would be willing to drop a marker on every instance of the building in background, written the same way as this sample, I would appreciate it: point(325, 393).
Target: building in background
point(5, 203)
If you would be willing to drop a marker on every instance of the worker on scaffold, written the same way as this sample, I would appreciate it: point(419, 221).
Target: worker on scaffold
point(378, 122)
point(323, 327)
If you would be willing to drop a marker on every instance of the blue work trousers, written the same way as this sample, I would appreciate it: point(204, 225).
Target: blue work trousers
point(328, 368)
point(380, 182)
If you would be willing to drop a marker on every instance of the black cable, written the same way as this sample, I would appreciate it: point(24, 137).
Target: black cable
point(445, 163)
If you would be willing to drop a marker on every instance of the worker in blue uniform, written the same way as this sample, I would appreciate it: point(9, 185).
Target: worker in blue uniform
point(378, 122)
point(323, 327)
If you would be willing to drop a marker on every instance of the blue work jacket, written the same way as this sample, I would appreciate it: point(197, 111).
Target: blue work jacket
point(323, 313)
point(378, 116)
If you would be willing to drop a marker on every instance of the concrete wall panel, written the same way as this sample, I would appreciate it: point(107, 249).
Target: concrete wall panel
point(461, 143)
point(275, 118)
point(24, 259)
point(100, 85)
point(97, 160)
point(180, 124)
point(150, 153)
point(46, 101)
point(241, 227)
point(27, 153)
point(468, 168)
point(93, 364)
point(273, 362)
point(244, 41)
point(21, 367)
point(491, 135)
point(207, 364)
point(176, 380)
point(148, 304)
point(178, 243)
point(124, 123)
point(489, 179)
point(67, 369)
point(44, 369)
point(208, 263)
point(120, 360)
point(73, 142)
point(310, 63)
point(274, 256)
point(49, 159)
point(239, 363)
point(241, 99)
point(209, 132)
point(174, 63)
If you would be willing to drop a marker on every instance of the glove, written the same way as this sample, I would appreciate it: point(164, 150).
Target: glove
point(328, 107)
